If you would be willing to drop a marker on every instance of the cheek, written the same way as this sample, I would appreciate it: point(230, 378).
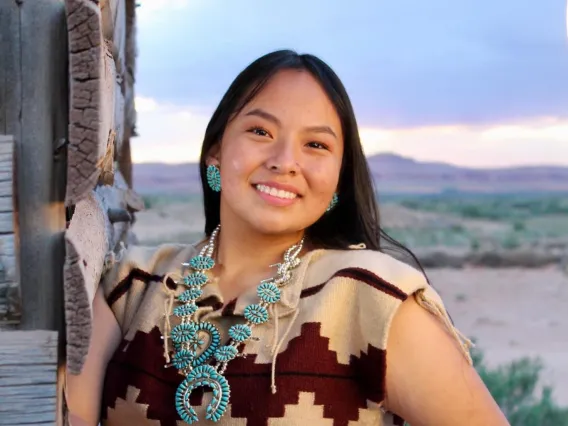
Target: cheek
point(323, 178)
point(237, 162)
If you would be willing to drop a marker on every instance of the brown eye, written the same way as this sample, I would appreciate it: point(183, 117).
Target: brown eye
point(259, 131)
point(318, 145)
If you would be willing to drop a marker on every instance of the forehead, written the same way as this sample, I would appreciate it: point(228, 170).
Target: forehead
point(296, 95)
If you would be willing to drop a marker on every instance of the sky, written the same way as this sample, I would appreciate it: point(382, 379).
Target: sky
point(475, 83)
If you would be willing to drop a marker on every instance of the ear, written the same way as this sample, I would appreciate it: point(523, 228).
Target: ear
point(214, 156)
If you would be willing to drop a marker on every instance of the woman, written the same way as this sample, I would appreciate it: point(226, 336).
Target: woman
point(336, 333)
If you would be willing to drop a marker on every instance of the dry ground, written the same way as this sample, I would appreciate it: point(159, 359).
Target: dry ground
point(512, 313)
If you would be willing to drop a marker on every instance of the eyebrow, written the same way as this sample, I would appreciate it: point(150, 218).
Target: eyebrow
point(269, 117)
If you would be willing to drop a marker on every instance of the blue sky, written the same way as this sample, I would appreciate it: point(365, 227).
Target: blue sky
point(476, 83)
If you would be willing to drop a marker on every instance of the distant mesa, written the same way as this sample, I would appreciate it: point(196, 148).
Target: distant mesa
point(392, 174)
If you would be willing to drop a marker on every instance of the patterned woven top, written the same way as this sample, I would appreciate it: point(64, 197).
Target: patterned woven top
point(329, 333)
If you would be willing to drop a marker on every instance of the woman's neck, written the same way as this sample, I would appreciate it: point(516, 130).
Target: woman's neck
point(239, 250)
point(244, 257)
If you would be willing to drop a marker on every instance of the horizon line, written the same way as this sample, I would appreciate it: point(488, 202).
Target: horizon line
point(392, 154)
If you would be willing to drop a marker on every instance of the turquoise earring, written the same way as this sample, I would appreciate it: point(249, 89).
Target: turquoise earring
point(333, 202)
point(214, 177)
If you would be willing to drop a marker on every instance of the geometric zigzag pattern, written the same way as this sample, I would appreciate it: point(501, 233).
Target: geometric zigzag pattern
point(330, 368)
point(312, 387)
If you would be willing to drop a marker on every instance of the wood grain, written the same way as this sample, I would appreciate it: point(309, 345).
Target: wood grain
point(93, 86)
point(28, 377)
point(113, 15)
point(129, 80)
point(93, 243)
point(34, 109)
point(10, 300)
point(10, 83)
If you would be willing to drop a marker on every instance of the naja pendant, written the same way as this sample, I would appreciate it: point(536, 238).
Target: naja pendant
point(204, 375)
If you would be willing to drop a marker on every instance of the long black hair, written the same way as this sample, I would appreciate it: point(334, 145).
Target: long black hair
point(355, 219)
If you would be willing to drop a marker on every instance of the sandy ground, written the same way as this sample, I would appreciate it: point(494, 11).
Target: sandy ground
point(512, 313)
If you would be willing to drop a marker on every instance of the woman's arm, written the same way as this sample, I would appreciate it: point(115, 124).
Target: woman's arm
point(83, 392)
point(428, 380)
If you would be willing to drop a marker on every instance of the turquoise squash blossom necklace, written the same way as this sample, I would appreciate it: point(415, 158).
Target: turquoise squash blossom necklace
point(186, 336)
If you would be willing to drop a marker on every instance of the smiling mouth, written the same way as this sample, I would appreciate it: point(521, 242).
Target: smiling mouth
point(278, 193)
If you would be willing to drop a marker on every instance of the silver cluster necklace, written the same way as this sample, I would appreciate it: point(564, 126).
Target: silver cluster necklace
point(198, 369)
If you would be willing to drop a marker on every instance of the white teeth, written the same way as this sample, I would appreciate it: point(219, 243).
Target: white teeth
point(276, 192)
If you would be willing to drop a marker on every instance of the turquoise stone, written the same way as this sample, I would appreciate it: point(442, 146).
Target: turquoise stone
point(183, 359)
point(202, 263)
point(195, 279)
point(185, 310)
point(268, 292)
point(214, 342)
point(226, 353)
point(256, 314)
point(190, 294)
point(216, 407)
point(183, 333)
point(240, 332)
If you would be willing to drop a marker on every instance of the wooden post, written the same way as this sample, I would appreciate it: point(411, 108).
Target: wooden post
point(67, 104)
point(34, 110)
point(10, 296)
point(101, 54)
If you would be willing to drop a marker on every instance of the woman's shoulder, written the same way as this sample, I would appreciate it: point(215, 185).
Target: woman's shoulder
point(377, 285)
point(157, 254)
point(136, 278)
point(378, 270)
point(143, 260)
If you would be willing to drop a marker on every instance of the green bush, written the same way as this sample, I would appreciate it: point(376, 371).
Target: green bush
point(511, 241)
point(514, 387)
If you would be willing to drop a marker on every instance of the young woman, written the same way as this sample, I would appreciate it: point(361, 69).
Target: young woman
point(289, 312)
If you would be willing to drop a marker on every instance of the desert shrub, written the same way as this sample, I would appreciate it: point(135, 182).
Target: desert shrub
point(514, 388)
point(511, 241)
point(475, 245)
point(490, 206)
point(149, 201)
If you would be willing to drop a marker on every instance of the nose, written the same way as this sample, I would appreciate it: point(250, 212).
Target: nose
point(284, 158)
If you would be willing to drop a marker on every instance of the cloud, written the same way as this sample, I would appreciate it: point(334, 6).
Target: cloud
point(173, 134)
point(404, 63)
point(168, 133)
point(531, 142)
point(150, 11)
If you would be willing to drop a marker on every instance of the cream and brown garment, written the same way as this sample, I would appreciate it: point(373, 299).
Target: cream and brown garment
point(327, 335)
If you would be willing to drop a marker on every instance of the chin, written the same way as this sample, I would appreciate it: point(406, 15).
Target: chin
point(275, 224)
point(275, 227)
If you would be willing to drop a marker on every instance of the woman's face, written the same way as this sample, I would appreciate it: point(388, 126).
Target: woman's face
point(280, 157)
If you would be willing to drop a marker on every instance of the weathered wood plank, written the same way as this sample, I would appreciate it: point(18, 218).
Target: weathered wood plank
point(40, 178)
point(32, 399)
point(6, 204)
point(6, 189)
point(10, 303)
point(86, 242)
point(37, 117)
point(6, 223)
point(10, 293)
point(93, 94)
point(115, 29)
point(113, 14)
point(118, 119)
point(124, 160)
point(125, 164)
point(10, 83)
point(93, 242)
